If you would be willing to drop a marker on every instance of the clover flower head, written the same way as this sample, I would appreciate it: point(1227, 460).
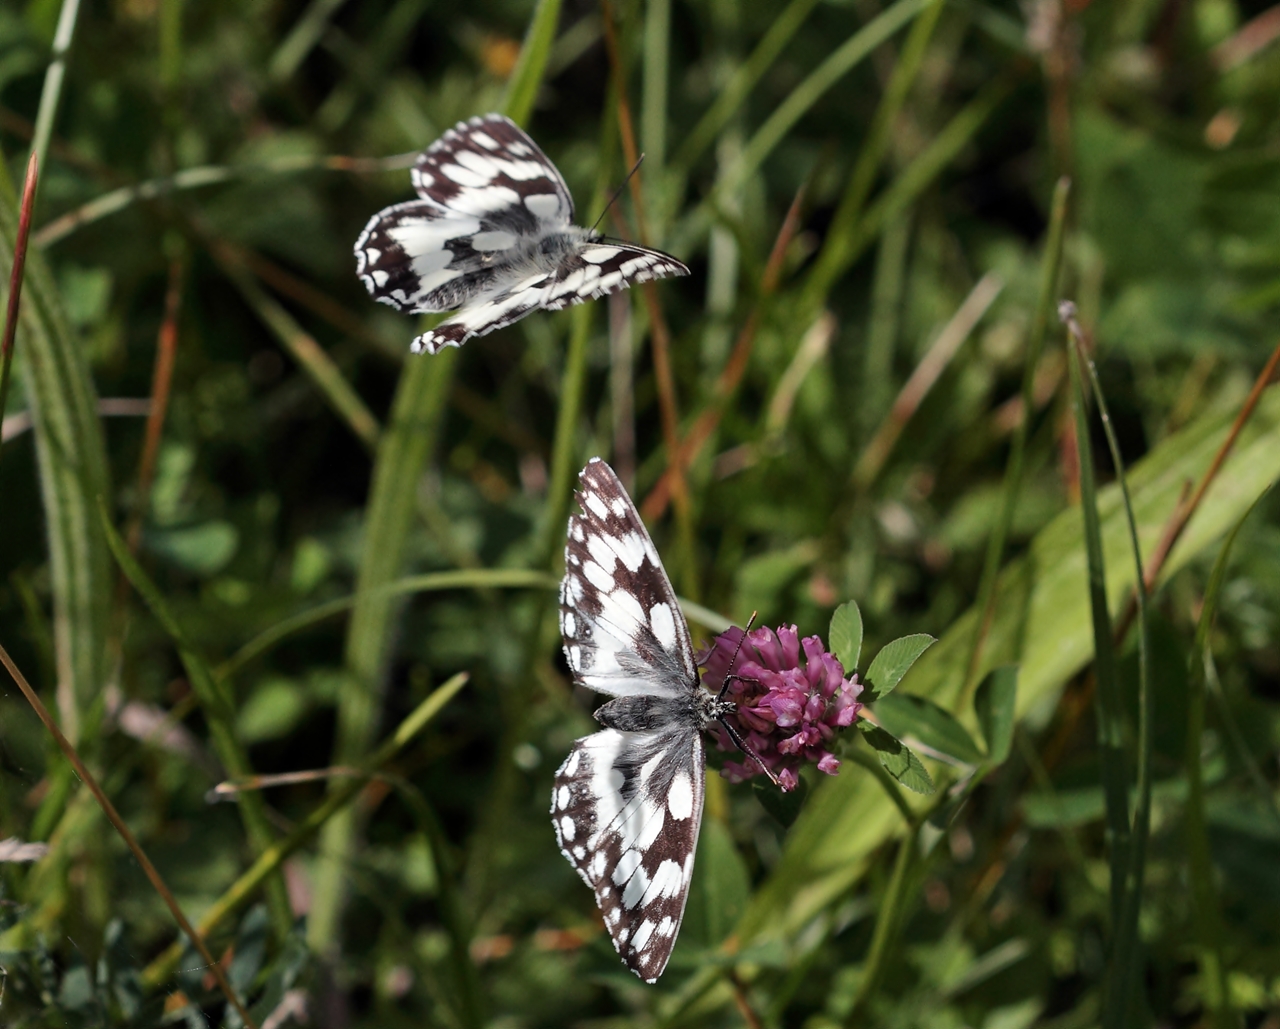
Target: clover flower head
point(791, 697)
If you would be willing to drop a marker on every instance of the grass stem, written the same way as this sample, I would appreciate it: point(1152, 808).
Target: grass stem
point(15, 278)
point(113, 816)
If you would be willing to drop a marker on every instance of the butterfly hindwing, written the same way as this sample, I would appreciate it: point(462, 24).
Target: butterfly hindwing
point(627, 807)
point(623, 630)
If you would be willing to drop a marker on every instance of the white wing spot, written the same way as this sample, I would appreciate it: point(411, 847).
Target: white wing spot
point(594, 502)
point(642, 934)
point(597, 864)
point(679, 797)
point(627, 864)
point(619, 507)
point(602, 552)
point(575, 658)
point(562, 797)
point(570, 768)
point(544, 206)
point(568, 625)
point(598, 577)
point(664, 625)
point(667, 926)
point(566, 828)
point(637, 887)
point(485, 140)
point(579, 852)
point(598, 255)
point(464, 176)
point(630, 550)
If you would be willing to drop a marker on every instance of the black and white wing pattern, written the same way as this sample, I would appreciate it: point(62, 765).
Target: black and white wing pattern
point(627, 802)
point(492, 233)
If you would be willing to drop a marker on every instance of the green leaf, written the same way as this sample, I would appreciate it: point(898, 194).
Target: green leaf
point(935, 727)
point(995, 703)
point(844, 638)
point(897, 759)
point(784, 807)
point(889, 666)
point(719, 892)
point(1043, 623)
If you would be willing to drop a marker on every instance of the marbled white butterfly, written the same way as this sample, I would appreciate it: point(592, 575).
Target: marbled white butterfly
point(627, 802)
point(492, 233)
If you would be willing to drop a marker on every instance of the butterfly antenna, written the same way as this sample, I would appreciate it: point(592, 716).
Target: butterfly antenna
point(750, 751)
point(729, 676)
point(618, 192)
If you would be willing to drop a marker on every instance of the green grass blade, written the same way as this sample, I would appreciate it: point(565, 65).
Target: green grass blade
point(1206, 906)
point(841, 61)
point(526, 80)
point(51, 94)
point(833, 260)
point(219, 711)
point(243, 890)
point(73, 471)
point(1121, 1004)
point(744, 79)
point(845, 245)
point(657, 64)
point(1110, 716)
point(315, 361)
point(1045, 627)
point(1049, 265)
point(406, 444)
point(469, 578)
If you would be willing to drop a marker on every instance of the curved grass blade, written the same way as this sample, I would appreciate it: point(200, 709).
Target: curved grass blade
point(470, 578)
point(113, 816)
point(1110, 717)
point(1045, 626)
point(244, 889)
point(216, 703)
point(1121, 1003)
point(1206, 907)
point(73, 469)
point(406, 443)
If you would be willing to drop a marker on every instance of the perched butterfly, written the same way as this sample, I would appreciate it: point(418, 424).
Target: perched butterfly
point(627, 802)
point(493, 235)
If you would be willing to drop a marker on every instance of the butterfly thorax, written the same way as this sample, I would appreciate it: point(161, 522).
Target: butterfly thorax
point(646, 712)
point(550, 251)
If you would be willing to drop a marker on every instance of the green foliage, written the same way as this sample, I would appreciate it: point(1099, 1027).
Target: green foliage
point(893, 662)
point(330, 537)
point(844, 637)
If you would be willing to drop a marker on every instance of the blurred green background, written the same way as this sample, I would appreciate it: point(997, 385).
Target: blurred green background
point(206, 170)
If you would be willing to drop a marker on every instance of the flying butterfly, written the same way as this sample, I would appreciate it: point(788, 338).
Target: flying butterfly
point(492, 236)
point(627, 802)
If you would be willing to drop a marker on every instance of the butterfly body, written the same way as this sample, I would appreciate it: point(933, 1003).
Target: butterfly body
point(627, 802)
point(491, 235)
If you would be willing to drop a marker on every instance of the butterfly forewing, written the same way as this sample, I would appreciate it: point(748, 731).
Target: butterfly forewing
point(622, 627)
point(492, 234)
point(627, 802)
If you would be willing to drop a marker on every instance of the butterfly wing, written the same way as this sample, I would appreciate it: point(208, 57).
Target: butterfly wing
point(623, 630)
point(627, 807)
point(593, 270)
point(483, 187)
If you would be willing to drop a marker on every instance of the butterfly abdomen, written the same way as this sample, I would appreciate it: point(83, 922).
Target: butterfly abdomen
point(645, 712)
